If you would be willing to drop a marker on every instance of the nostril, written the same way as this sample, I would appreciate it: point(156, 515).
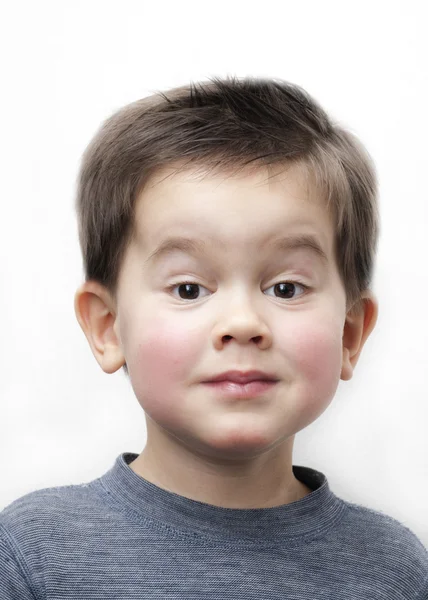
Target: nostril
point(256, 338)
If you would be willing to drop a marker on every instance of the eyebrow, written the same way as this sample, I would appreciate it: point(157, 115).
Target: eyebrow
point(194, 246)
point(303, 241)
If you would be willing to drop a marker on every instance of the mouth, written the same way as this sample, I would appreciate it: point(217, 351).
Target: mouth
point(242, 377)
point(242, 384)
point(241, 390)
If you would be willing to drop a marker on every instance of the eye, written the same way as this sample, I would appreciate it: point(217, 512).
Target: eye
point(286, 289)
point(187, 290)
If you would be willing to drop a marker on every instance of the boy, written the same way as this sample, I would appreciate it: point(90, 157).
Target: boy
point(228, 232)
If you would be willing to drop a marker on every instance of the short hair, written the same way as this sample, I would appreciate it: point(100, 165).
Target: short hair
point(224, 124)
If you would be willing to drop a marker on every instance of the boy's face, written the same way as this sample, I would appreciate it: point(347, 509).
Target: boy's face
point(234, 316)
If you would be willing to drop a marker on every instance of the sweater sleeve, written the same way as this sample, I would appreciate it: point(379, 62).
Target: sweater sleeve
point(424, 594)
point(14, 584)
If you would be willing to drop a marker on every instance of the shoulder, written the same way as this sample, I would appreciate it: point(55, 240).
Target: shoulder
point(47, 501)
point(46, 523)
point(37, 517)
point(377, 526)
point(387, 548)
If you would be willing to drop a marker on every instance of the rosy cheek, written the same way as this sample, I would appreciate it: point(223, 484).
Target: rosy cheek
point(164, 354)
point(317, 352)
point(314, 351)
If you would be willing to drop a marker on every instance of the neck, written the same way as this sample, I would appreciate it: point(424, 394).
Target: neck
point(263, 481)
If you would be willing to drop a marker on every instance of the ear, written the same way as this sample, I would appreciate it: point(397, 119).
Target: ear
point(95, 313)
point(358, 326)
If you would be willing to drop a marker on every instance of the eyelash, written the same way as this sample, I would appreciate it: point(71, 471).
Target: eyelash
point(178, 284)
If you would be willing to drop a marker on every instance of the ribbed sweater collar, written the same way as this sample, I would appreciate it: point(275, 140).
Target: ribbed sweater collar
point(315, 513)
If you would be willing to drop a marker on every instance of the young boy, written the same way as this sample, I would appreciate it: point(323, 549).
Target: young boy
point(228, 232)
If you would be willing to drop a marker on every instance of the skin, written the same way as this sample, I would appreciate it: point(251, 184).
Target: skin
point(221, 451)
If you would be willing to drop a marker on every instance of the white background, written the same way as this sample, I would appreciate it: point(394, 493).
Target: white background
point(66, 66)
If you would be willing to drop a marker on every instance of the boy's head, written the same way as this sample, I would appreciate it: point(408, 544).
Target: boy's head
point(225, 226)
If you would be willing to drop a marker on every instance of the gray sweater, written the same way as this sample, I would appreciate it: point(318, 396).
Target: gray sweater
point(121, 537)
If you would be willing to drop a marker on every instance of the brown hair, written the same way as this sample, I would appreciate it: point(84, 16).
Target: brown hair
point(223, 124)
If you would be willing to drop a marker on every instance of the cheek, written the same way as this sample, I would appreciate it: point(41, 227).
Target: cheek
point(163, 355)
point(315, 354)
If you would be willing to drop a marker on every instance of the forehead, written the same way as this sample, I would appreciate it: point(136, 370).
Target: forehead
point(230, 207)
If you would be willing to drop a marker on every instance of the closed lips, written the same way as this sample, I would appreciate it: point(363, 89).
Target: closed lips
point(242, 377)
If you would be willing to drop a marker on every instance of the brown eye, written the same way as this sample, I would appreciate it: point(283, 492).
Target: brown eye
point(188, 291)
point(287, 289)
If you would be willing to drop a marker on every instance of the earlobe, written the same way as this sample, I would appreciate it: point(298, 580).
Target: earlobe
point(94, 311)
point(358, 326)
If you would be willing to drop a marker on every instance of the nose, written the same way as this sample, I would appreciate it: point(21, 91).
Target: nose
point(240, 321)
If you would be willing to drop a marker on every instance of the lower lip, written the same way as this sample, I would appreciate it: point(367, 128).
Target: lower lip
point(241, 390)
